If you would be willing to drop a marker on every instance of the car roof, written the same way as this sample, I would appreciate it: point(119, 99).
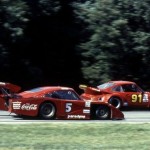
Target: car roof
point(45, 89)
point(122, 82)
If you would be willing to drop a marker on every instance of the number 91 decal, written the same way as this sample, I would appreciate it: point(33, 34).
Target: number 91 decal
point(139, 98)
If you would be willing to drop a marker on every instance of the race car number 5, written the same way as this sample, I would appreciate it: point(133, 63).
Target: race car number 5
point(68, 107)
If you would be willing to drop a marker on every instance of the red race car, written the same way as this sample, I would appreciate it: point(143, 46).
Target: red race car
point(55, 102)
point(118, 93)
point(7, 91)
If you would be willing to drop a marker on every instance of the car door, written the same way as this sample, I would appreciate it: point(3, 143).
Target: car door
point(72, 107)
point(75, 109)
point(134, 96)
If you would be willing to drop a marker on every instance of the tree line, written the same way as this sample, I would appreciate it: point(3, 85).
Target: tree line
point(69, 42)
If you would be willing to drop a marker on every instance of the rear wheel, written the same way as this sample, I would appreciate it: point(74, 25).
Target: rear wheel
point(116, 102)
point(47, 111)
point(102, 112)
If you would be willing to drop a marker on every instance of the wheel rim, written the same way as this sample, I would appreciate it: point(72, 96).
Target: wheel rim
point(47, 111)
point(102, 112)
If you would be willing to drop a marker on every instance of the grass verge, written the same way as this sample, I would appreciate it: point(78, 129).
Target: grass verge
point(75, 136)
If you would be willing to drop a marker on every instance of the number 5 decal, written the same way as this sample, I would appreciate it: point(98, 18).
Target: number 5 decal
point(68, 107)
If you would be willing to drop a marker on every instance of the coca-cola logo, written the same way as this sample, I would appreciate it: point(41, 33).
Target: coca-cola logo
point(29, 106)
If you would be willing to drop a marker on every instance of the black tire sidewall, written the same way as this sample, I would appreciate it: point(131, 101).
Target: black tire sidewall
point(52, 113)
point(105, 110)
point(112, 99)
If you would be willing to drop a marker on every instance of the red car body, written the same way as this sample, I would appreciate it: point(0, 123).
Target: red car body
point(119, 94)
point(55, 102)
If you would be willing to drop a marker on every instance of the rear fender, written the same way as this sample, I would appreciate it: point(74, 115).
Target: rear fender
point(27, 107)
point(3, 105)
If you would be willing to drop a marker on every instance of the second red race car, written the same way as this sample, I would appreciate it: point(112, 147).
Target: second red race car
point(55, 102)
point(118, 93)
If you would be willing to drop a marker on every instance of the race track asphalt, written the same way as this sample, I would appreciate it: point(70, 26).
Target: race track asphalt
point(131, 116)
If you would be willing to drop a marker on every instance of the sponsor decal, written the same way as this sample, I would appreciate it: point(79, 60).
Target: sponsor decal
point(86, 111)
point(16, 105)
point(145, 98)
point(87, 103)
point(29, 106)
point(76, 117)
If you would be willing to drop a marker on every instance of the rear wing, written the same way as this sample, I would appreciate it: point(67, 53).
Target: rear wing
point(92, 90)
point(83, 87)
point(12, 87)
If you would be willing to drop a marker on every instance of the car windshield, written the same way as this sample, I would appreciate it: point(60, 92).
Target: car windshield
point(105, 85)
point(63, 94)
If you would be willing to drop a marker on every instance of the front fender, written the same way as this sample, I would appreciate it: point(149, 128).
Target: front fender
point(116, 113)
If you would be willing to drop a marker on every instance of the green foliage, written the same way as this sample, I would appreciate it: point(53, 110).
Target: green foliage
point(16, 14)
point(17, 28)
point(14, 17)
point(49, 7)
point(114, 36)
point(118, 43)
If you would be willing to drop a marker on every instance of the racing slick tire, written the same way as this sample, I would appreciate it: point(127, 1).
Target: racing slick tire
point(102, 112)
point(116, 102)
point(47, 111)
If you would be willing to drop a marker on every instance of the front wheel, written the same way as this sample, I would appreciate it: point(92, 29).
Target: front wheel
point(102, 112)
point(47, 111)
